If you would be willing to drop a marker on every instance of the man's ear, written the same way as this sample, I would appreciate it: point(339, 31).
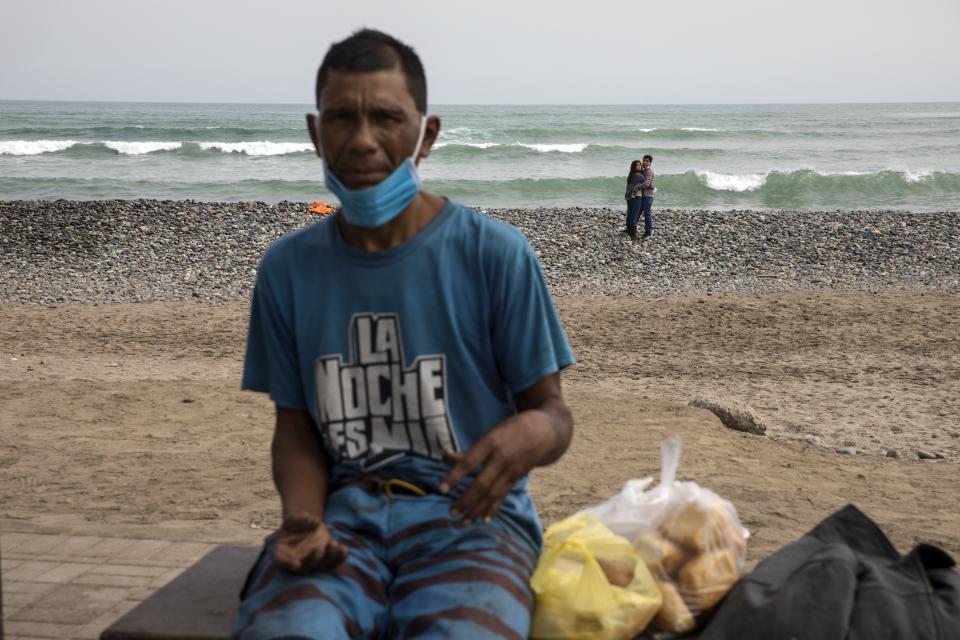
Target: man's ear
point(429, 136)
point(313, 126)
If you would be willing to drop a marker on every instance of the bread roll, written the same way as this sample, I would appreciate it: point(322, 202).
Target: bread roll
point(662, 556)
point(706, 578)
point(673, 614)
point(619, 572)
point(699, 528)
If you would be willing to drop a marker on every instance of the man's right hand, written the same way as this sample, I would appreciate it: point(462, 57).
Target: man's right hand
point(304, 545)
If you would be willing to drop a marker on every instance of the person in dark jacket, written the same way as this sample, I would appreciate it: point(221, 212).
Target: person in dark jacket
point(633, 196)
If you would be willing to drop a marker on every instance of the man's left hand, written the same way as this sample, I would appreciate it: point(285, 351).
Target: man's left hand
point(506, 454)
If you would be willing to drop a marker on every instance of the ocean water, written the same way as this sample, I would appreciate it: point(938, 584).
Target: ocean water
point(803, 157)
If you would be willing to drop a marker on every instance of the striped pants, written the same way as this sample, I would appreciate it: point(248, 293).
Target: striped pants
point(412, 572)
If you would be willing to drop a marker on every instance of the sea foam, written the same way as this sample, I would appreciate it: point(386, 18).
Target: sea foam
point(541, 148)
point(732, 182)
point(138, 148)
point(33, 147)
point(916, 176)
point(475, 145)
point(260, 148)
point(455, 131)
point(562, 148)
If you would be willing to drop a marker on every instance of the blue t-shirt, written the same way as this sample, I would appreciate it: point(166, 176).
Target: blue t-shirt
point(403, 355)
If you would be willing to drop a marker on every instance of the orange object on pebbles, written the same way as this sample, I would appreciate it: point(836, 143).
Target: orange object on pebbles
point(320, 208)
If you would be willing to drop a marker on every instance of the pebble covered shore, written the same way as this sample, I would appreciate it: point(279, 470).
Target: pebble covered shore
point(148, 250)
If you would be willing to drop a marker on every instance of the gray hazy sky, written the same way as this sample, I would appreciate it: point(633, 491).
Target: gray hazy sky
point(490, 51)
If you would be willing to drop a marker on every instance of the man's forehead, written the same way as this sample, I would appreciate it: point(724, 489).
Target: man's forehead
point(366, 89)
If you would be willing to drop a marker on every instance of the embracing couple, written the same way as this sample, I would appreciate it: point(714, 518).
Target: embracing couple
point(639, 196)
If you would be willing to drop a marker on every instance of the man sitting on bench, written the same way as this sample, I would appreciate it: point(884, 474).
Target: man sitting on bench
point(413, 352)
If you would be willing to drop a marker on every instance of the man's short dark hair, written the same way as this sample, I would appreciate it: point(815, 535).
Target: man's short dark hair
point(648, 157)
point(371, 50)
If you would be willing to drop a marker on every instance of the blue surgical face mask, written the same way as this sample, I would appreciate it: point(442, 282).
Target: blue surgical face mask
point(377, 205)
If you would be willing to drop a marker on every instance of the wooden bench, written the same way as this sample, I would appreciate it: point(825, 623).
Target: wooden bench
point(199, 604)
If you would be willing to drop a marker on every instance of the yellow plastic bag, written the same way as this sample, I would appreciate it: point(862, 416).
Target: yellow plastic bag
point(592, 584)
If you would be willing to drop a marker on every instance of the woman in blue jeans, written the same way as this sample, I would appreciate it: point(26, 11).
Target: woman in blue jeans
point(633, 196)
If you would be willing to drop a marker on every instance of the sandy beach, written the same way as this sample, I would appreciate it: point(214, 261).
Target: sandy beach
point(123, 326)
point(127, 419)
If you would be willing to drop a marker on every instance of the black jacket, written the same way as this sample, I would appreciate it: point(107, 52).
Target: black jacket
point(843, 580)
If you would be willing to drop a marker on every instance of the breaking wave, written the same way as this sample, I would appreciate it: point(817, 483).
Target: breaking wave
point(33, 147)
point(788, 190)
point(260, 148)
point(139, 148)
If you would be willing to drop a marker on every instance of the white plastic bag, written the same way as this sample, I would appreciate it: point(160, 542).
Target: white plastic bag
point(636, 510)
point(690, 538)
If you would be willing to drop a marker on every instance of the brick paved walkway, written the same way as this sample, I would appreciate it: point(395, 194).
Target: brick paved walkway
point(73, 587)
